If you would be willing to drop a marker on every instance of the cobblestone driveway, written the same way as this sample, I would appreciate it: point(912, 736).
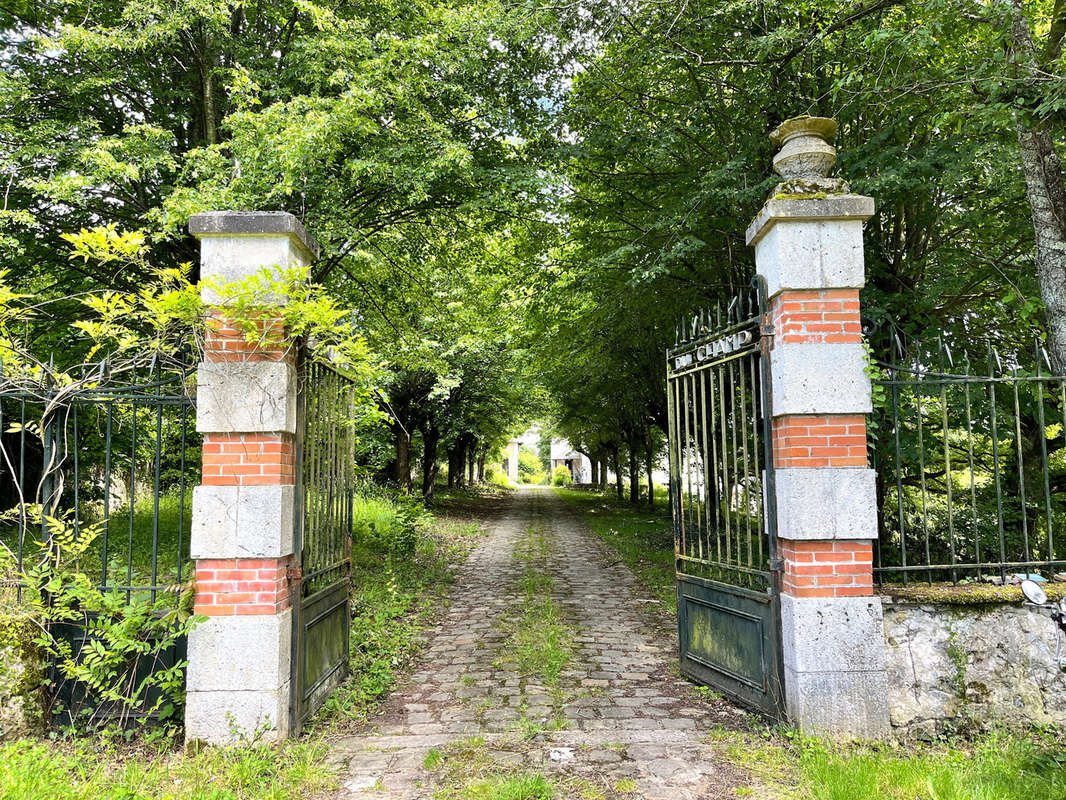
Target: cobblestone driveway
point(619, 724)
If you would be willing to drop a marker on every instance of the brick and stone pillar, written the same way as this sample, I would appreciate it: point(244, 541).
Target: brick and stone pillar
point(243, 511)
point(809, 248)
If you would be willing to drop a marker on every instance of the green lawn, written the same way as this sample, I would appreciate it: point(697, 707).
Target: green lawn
point(86, 770)
point(998, 765)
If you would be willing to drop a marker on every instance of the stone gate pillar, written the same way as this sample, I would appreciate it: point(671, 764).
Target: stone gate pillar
point(243, 512)
point(809, 248)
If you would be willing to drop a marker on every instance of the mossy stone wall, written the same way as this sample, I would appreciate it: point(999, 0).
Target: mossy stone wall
point(960, 665)
point(22, 677)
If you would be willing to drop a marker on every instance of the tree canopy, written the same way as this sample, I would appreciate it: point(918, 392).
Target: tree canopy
point(520, 202)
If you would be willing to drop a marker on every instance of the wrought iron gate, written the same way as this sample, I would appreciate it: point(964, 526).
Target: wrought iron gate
point(721, 493)
point(325, 483)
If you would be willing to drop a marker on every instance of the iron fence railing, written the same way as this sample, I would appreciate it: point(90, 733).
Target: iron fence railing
point(971, 465)
point(103, 472)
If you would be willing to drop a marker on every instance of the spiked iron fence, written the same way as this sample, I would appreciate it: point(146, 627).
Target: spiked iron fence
point(971, 465)
point(104, 471)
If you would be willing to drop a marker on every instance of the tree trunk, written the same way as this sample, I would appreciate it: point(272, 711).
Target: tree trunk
point(603, 472)
point(403, 458)
point(455, 466)
point(430, 441)
point(595, 471)
point(208, 65)
point(481, 467)
point(1044, 186)
point(471, 464)
point(1046, 192)
point(650, 466)
point(617, 473)
point(634, 476)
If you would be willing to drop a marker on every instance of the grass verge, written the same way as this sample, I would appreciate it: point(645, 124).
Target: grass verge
point(86, 770)
point(998, 765)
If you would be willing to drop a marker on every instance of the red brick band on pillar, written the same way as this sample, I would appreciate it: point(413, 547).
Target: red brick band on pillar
point(249, 459)
point(834, 440)
point(827, 569)
point(825, 316)
point(225, 341)
point(226, 586)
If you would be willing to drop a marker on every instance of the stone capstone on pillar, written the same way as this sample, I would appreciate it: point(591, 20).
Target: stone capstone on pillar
point(235, 245)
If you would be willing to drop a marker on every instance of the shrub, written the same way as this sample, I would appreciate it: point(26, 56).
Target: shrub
point(386, 520)
point(529, 467)
point(561, 476)
point(498, 478)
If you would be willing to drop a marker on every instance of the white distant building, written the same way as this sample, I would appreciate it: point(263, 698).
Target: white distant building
point(562, 454)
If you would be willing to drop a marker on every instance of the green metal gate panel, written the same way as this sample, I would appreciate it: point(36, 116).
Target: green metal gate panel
point(324, 493)
point(722, 499)
point(729, 640)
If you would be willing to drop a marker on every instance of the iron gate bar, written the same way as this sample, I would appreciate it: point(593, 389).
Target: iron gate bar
point(721, 488)
point(81, 442)
point(325, 484)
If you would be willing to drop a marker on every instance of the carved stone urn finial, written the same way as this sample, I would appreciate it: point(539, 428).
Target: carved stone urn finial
point(806, 156)
point(806, 152)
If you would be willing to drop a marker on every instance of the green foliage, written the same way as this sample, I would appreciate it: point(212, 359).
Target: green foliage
point(499, 479)
point(529, 467)
point(561, 476)
point(111, 649)
point(388, 521)
point(23, 673)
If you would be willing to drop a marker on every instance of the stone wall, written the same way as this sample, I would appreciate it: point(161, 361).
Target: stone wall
point(954, 666)
point(21, 678)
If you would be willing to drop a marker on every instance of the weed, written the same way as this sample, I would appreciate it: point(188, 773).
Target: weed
point(540, 642)
point(86, 770)
point(434, 759)
point(515, 787)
